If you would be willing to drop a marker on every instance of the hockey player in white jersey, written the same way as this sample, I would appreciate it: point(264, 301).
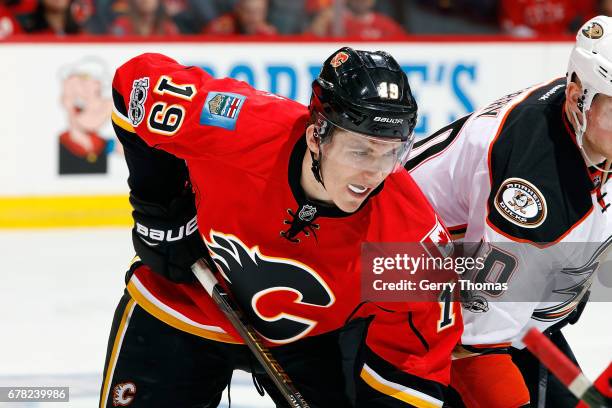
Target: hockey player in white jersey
point(524, 179)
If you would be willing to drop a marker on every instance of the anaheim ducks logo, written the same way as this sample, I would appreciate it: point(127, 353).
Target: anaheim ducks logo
point(521, 203)
point(123, 394)
point(339, 59)
point(593, 31)
point(277, 294)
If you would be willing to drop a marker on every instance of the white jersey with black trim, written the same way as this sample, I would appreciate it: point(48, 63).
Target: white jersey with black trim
point(510, 179)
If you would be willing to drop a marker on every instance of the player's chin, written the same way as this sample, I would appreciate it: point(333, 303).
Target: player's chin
point(349, 203)
point(348, 207)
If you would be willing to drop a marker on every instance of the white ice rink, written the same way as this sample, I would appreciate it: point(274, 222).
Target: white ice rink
point(59, 289)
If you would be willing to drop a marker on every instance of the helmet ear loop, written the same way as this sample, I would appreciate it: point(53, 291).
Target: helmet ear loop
point(316, 163)
point(581, 125)
point(584, 106)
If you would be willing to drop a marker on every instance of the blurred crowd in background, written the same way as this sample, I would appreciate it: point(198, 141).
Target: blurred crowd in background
point(358, 19)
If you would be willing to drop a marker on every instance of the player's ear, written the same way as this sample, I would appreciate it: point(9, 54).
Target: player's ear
point(573, 94)
point(311, 140)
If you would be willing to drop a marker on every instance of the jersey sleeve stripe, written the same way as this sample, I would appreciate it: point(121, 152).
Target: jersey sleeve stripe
point(457, 228)
point(457, 231)
point(457, 236)
point(539, 245)
point(398, 391)
point(121, 121)
point(464, 350)
point(119, 103)
point(549, 316)
point(148, 302)
point(606, 176)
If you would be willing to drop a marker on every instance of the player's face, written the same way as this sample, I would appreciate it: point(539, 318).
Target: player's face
point(354, 165)
point(598, 136)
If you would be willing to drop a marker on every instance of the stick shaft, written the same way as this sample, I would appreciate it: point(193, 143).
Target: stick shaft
point(248, 334)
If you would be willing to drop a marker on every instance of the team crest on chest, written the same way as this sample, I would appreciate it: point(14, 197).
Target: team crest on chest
point(275, 293)
point(521, 203)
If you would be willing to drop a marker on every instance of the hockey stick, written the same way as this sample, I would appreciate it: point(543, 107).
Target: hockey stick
point(564, 369)
point(235, 315)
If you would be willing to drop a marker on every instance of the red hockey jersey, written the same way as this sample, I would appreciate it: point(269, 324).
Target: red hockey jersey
point(244, 149)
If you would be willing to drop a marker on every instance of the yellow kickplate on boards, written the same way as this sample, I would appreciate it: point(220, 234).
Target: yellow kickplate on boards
point(64, 211)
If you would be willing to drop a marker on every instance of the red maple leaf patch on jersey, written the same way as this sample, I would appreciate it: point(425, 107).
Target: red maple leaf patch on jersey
point(443, 237)
point(438, 242)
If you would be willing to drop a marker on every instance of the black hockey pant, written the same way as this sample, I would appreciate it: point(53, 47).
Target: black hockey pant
point(151, 364)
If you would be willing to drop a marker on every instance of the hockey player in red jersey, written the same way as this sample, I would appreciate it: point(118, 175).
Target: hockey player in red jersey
point(285, 197)
point(526, 178)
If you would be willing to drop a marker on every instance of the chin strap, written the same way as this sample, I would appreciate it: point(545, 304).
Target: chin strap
point(316, 168)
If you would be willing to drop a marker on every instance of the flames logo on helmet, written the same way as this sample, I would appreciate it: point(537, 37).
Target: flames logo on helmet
point(339, 59)
point(262, 283)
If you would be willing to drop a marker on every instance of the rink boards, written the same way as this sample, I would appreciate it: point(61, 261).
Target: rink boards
point(449, 79)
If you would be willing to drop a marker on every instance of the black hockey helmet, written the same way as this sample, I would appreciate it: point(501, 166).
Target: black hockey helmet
point(365, 92)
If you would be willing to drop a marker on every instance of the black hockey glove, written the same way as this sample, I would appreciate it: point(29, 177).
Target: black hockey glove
point(166, 238)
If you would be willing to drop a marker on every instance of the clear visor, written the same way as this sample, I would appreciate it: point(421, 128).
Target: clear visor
point(367, 153)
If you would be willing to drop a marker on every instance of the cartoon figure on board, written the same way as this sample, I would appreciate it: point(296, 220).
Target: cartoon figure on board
point(82, 150)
